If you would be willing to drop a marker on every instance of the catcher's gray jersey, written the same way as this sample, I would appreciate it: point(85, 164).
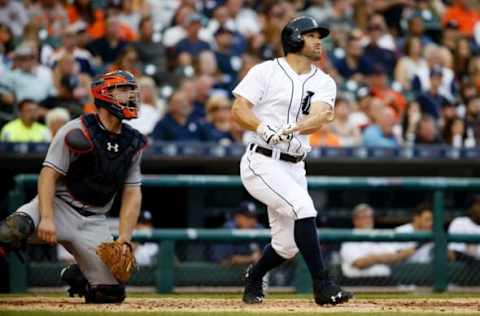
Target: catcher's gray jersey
point(80, 235)
point(59, 158)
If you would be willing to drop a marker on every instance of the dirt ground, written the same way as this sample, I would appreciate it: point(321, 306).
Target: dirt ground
point(448, 306)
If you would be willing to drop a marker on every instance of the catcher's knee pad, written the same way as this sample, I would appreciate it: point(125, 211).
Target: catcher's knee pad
point(73, 276)
point(15, 230)
point(105, 294)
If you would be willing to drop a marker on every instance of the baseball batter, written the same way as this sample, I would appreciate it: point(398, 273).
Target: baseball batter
point(89, 161)
point(280, 102)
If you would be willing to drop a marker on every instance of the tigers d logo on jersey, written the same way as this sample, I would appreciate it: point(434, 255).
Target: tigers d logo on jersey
point(306, 102)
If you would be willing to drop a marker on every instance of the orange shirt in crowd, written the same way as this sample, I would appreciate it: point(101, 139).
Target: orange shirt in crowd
point(97, 28)
point(466, 19)
point(324, 139)
point(393, 99)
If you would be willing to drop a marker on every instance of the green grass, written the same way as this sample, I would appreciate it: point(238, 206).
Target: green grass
point(218, 314)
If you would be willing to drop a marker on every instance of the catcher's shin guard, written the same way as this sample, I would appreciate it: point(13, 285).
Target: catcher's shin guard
point(14, 232)
point(105, 294)
point(75, 279)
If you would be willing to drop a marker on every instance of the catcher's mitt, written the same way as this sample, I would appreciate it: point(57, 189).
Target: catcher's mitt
point(121, 264)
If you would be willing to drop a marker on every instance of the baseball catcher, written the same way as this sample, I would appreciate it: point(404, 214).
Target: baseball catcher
point(90, 160)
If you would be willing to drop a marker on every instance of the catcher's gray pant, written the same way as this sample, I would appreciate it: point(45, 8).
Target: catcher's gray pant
point(80, 236)
point(282, 186)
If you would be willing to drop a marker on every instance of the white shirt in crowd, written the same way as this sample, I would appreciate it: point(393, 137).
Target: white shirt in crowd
point(145, 253)
point(464, 225)
point(277, 93)
point(423, 254)
point(351, 251)
point(148, 116)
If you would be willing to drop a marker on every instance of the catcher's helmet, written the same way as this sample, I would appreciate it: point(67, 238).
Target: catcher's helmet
point(292, 40)
point(102, 87)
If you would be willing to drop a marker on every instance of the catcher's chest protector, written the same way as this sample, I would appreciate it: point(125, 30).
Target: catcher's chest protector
point(96, 176)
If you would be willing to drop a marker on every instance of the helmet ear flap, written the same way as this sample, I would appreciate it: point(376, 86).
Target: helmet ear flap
point(296, 40)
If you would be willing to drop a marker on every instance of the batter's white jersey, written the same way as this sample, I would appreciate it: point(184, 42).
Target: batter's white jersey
point(281, 96)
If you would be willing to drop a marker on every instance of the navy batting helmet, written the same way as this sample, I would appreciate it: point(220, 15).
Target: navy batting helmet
point(292, 40)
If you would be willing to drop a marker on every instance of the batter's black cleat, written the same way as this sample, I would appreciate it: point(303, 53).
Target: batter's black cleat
point(253, 292)
point(327, 292)
point(75, 279)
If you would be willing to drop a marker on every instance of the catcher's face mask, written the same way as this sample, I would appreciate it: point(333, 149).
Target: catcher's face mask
point(117, 92)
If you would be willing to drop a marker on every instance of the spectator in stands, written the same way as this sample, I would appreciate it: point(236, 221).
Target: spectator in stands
point(410, 120)
point(450, 35)
point(218, 120)
point(203, 87)
point(369, 259)
point(453, 132)
point(68, 97)
point(408, 64)
point(192, 44)
point(228, 62)
point(434, 56)
point(145, 253)
point(354, 65)
point(381, 132)
point(151, 52)
point(83, 58)
point(14, 15)
point(56, 118)
point(178, 124)
point(427, 131)
point(461, 58)
point(245, 19)
point(108, 47)
point(129, 14)
point(472, 121)
point(241, 254)
point(128, 60)
point(151, 109)
point(84, 11)
point(347, 133)
point(26, 127)
point(66, 66)
point(376, 50)
point(431, 101)
point(324, 137)
point(421, 222)
point(469, 224)
point(380, 88)
point(28, 79)
point(465, 13)
point(50, 16)
point(176, 32)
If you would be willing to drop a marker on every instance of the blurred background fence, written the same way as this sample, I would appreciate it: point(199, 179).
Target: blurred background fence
point(185, 257)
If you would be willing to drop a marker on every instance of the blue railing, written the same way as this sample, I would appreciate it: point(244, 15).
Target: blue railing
point(214, 150)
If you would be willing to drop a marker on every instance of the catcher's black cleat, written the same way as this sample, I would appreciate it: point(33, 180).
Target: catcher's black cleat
point(75, 279)
point(327, 292)
point(253, 292)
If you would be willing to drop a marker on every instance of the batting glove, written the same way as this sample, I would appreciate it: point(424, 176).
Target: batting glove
point(288, 131)
point(268, 134)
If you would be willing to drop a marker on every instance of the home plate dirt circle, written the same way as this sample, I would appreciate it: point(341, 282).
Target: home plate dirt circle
point(447, 306)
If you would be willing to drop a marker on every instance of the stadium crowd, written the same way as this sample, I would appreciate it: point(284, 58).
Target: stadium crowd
point(408, 71)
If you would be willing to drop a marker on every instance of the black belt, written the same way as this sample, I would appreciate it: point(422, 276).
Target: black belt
point(79, 210)
point(268, 152)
